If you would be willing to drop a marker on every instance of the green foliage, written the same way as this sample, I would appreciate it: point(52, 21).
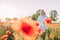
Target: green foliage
point(2, 31)
point(35, 16)
point(38, 11)
point(53, 15)
point(55, 31)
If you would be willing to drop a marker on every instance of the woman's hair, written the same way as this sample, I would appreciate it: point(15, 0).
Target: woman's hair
point(42, 12)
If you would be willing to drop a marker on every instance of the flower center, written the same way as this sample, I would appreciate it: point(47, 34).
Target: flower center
point(27, 29)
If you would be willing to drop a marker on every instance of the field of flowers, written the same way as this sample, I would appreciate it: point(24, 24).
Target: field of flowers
point(27, 29)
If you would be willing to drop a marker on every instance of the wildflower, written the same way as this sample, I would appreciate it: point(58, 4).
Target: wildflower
point(49, 20)
point(52, 36)
point(8, 32)
point(4, 37)
point(40, 31)
point(27, 28)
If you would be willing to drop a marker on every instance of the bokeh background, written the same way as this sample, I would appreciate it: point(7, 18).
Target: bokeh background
point(22, 8)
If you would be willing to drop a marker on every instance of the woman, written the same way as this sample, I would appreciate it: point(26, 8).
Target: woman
point(41, 19)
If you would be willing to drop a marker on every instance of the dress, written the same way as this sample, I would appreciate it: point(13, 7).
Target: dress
point(41, 20)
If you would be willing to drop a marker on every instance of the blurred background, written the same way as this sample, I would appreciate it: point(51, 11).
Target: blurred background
point(22, 8)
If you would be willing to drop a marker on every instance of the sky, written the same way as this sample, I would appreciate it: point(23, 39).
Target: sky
point(23, 8)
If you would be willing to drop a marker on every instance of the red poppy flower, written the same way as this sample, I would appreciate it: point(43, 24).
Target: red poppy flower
point(4, 36)
point(40, 31)
point(37, 23)
point(8, 32)
point(48, 20)
point(27, 28)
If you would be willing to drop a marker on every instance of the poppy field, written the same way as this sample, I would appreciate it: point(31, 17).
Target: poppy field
point(28, 29)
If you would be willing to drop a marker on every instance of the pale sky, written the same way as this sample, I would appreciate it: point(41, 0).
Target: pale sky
point(22, 8)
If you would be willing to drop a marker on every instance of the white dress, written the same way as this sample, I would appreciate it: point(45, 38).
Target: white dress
point(41, 20)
